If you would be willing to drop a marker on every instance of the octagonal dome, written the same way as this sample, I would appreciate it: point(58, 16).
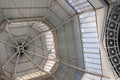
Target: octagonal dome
point(49, 40)
point(27, 51)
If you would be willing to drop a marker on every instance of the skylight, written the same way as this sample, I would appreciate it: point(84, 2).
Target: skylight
point(80, 5)
point(88, 26)
point(36, 51)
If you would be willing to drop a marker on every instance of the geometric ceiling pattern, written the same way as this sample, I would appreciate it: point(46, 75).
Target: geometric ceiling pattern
point(27, 55)
point(112, 38)
point(55, 40)
point(44, 38)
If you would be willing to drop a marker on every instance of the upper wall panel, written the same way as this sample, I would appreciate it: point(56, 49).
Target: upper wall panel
point(24, 8)
point(25, 3)
point(21, 13)
point(67, 7)
point(59, 13)
point(96, 3)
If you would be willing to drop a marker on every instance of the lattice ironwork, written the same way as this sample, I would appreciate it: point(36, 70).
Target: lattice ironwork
point(112, 38)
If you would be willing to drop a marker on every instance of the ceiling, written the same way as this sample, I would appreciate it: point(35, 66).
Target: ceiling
point(53, 13)
point(66, 50)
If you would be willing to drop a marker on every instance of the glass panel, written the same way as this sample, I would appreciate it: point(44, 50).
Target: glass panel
point(89, 30)
point(90, 35)
point(90, 19)
point(96, 66)
point(90, 39)
point(92, 55)
point(80, 5)
point(90, 77)
point(92, 60)
point(91, 45)
point(93, 70)
point(90, 42)
point(91, 50)
point(84, 25)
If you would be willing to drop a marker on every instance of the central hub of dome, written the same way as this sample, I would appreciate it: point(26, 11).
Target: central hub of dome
point(21, 49)
point(29, 47)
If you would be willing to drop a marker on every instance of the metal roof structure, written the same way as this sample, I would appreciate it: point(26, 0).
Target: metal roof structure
point(58, 40)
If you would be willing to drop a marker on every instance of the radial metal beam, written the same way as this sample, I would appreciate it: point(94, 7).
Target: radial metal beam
point(36, 64)
point(79, 69)
point(36, 54)
point(2, 41)
point(15, 66)
point(6, 63)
